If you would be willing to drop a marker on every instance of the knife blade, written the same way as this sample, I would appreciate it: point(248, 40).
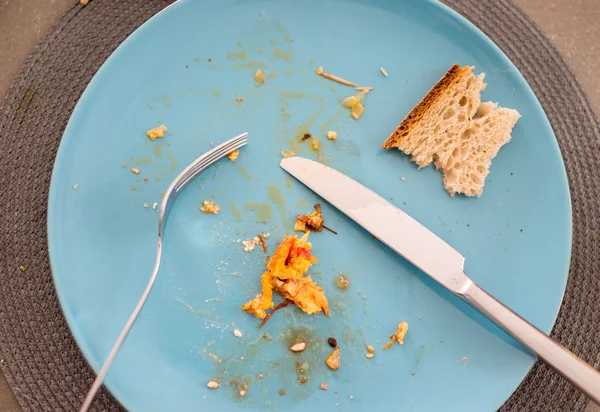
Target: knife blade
point(392, 226)
point(439, 260)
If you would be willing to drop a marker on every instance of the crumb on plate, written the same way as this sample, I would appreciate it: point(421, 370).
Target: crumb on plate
point(398, 336)
point(233, 155)
point(208, 206)
point(135, 170)
point(315, 143)
point(311, 221)
point(212, 384)
point(333, 360)
point(329, 76)
point(157, 132)
point(383, 71)
point(287, 153)
point(259, 77)
point(331, 135)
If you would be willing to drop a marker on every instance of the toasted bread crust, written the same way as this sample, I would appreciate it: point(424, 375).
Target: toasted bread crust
point(420, 110)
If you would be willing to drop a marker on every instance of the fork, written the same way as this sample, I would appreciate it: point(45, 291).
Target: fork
point(175, 188)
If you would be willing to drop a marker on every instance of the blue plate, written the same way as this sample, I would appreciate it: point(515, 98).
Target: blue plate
point(185, 68)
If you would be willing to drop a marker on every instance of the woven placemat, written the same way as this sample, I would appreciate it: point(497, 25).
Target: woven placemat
point(37, 352)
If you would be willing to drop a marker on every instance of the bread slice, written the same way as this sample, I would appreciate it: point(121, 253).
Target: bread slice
point(453, 129)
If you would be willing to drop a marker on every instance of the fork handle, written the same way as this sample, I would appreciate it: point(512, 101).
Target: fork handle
point(559, 358)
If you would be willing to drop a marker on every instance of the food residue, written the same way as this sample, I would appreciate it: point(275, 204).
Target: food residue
point(285, 274)
point(240, 100)
point(398, 336)
point(324, 386)
point(329, 76)
point(354, 104)
point(212, 384)
point(315, 143)
point(311, 221)
point(298, 347)
point(342, 282)
point(331, 135)
point(135, 170)
point(370, 348)
point(333, 360)
point(233, 155)
point(332, 342)
point(383, 71)
point(157, 132)
point(237, 333)
point(154, 205)
point(287, 154)
point(259, 78)
point(75, 186)
point(370, 355)
point(259, 239)
point(146, 205)
point(208, 206)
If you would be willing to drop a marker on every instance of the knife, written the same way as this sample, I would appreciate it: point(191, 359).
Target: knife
point(432, 255)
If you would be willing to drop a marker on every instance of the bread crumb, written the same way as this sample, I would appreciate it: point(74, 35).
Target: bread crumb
point(237, 333)
point(233, 155)
point(75, 186)
point(315, 144)
point(259, 78)
point(398, 336)
point(157, 132)
point(212, 384)
point(287, 153)
point(383, 71)
point(331, 135)
point(208, 206)
point(135, 170)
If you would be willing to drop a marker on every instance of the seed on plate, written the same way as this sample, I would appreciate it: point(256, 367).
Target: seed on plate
point(212, 384)
point(370, 348)
point(298, 347)
point(237, 333)
point(332, 342)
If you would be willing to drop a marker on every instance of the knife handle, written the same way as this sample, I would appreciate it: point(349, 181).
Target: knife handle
point(559, 358)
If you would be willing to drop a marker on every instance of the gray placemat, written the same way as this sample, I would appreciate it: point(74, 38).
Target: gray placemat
point(37, 353)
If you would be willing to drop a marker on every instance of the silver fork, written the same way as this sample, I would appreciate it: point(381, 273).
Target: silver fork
point(176, 187)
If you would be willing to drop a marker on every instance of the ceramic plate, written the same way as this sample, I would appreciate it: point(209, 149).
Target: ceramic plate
point(186, 68)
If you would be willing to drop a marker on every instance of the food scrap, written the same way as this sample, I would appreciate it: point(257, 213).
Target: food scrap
point(208, 206)
point(311, 221)
point(157, 132)
point(383, 71)
point(298, 347)
point(370, 355)
point(333, 359)
point(259, 239)
point(370, 348)
point(331, 135)
point(342, 282)
point(287, 153)
point(239, 100)
point(354, 104)
point(233, 155)
point(324, 386)
point(285, 274)
point(305, 136)
point(259, 78)
point(135, 170)
point(315, 144)
point(75, 186)
point(329, 76)
point(397, 336)
point(237, 333)
point(282, 305)
point(212, 384)
point(332, 342)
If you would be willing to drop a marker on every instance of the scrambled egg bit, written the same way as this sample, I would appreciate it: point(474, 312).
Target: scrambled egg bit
point(157, 132)
point(398, 336)
point(285, 274)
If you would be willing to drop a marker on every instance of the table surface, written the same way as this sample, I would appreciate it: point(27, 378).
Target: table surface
point(572, 25)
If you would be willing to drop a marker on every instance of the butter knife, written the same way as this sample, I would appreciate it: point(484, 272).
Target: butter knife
point(432, 255)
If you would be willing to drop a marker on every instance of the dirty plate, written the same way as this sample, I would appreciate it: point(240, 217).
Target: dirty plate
point(191, 68)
